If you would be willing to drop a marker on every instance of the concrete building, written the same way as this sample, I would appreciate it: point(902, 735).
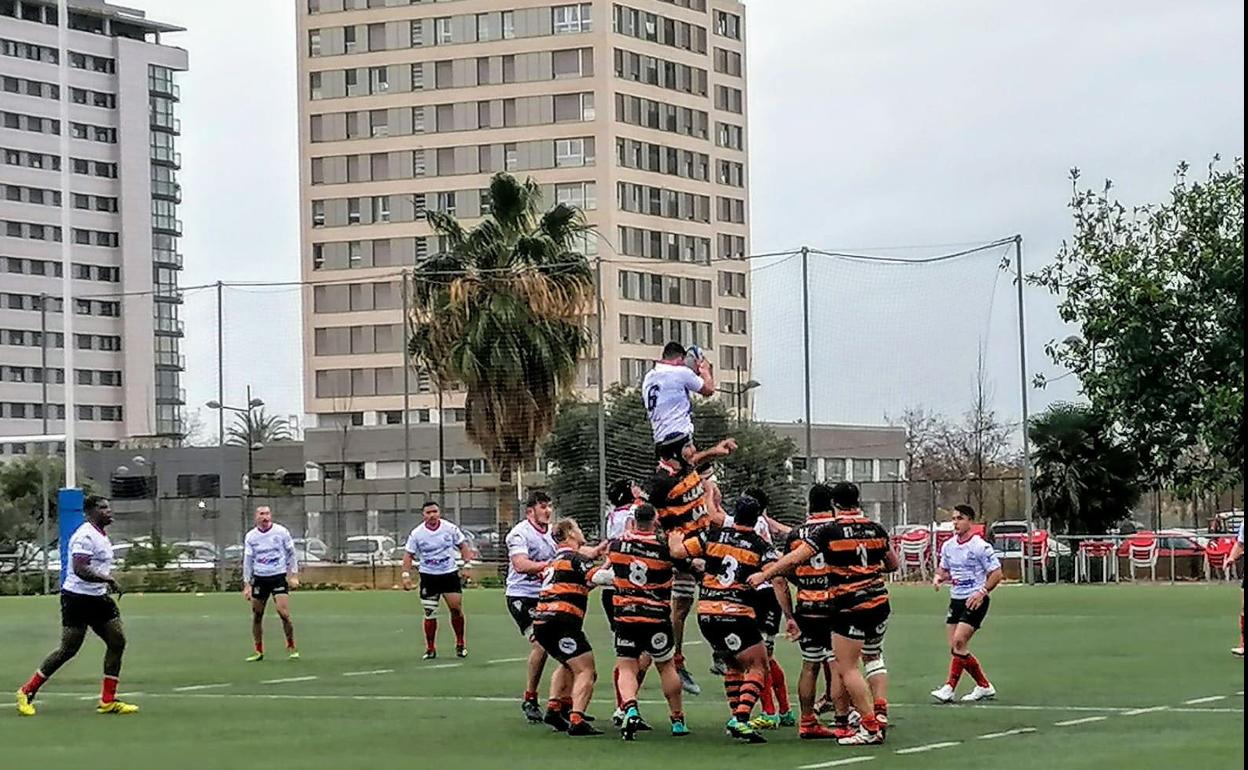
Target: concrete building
point(123, 195)
point(633, 110)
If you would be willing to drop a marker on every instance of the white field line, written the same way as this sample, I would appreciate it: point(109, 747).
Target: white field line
point(1149, 710)
point(440, 665)
point(1007, 733)
point(1210, 699)
point(929, 747)
point(1073, 722)
point(375, 672)
point(288, 680)
point(194, 687)
point(836, 763)
point(505, 660)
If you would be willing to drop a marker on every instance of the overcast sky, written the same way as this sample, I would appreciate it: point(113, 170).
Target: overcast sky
point(873, 123)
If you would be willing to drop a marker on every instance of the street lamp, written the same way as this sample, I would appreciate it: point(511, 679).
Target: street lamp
point(741, 391)
point(221, 409)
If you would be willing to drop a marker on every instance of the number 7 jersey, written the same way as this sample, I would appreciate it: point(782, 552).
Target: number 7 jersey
point(732, 555)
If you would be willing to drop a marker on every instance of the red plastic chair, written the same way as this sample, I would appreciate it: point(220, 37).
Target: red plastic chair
point(1105, 550)
point(1215, 559)
point(914, 550)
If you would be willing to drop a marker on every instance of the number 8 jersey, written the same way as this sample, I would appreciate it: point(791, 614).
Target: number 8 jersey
point(642, 570)
point(732, 554)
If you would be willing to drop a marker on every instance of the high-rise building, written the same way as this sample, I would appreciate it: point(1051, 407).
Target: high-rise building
point(124, 226)
point(632, 110)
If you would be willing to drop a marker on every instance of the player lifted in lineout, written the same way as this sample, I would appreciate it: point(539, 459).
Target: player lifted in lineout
point(972, 570)
point(641, 568)
point(435, 543)
point(270, 569)
point(85, 603)
point(666, 391)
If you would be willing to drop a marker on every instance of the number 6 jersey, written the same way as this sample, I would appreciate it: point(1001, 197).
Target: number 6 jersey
point(854, 549)
point(642, 568)
point(732, 554)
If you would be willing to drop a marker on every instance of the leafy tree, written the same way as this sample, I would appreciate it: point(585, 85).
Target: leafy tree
point(1084, 480)
point(501, 310)
point(258, 427)
point(21, 491)
point(763, 458)
point(1157, 293)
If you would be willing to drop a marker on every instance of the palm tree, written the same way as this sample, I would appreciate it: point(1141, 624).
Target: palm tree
point(1084, 480)
point(501, 310)
point(257, 427)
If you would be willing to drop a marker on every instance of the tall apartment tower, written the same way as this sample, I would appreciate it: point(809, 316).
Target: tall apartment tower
point(633, 110)
point(124, 195)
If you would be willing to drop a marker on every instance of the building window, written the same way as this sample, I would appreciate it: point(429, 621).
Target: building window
point(569, 19)
point(442, 34)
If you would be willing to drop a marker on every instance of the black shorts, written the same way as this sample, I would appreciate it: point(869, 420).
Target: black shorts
point(86, 611)
point(960, 613)
point(815, 641)
point(608, 607)
point(433, 586)
point(521, 610)
point(767, 611)
point(728, 636)
point(866, 626)
point(561, 641)
point(262, 587)
point(654, 639)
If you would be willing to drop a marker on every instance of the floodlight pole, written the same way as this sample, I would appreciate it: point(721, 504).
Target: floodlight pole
point(1029, 573)
point(810, 471)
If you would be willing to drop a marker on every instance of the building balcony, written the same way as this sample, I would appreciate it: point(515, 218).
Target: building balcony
point(167, 190)
point(173, 327)
point(169, 360)
point(170, 225)
point(167, 292)
point(166, 123)
point(171, 396)
point(167, 257)
point(166, 157)
point(164, 88)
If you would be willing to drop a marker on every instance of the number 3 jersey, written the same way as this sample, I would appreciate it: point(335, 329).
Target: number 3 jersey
point(642, 568)
point(732, 554)
point(854, 549)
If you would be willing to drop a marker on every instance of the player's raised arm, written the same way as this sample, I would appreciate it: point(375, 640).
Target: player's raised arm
point(722, 449)
point(800, 554)
point(703, 381)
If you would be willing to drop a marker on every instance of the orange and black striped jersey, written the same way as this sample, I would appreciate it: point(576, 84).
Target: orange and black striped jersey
point(642, 569)
point(680, 499)
point(732, 554)
point(854, 549)
point(813, 579)
point(565, 588)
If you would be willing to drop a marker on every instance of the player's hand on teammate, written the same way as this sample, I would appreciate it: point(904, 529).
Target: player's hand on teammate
point(755, 580)
point(975, 600)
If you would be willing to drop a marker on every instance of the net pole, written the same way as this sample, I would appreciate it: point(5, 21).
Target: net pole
point(602, 418)
point(217, 525)
point(1022, 370)
point(47, 455)
point(407, 410)
point(67, 271)
point(806, 355)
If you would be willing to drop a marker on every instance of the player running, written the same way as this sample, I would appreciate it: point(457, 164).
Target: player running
point(857, 552)
point(558, 626)
point(270, 569)
point(530, 548)
point(678, 494)
point(972, 570)
point(726, 611)
point(641, 566)
point(1237, 551)
point(435, 543)
point(85, 603)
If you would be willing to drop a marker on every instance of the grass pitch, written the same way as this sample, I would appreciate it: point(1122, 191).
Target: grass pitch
point(1147, 666)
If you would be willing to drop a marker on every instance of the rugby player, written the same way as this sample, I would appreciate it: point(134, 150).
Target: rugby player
point(85, 603)
point(972, 570)
point(270, 569)
point(530, 548)
point(623, 495)
point(678, 494)
point(1237, 551)
point(726, 613)
point(641, 567)
point(435, 543)
point(558, 626)
point(857, 552)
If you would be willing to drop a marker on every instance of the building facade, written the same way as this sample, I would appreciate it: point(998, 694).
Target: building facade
point(123, 200)
point(632, 110)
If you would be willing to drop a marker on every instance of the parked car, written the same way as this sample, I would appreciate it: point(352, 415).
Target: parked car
point(309, 549)
point(1170, 542)
point(371, 549)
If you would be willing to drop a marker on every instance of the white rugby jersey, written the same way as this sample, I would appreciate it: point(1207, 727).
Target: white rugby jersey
point(665, 394)
point(616, 523)
point(89, 540)
point(524, 539)
point(761, 529)
point(969, 562)
point(435, 548)
point(269, 553)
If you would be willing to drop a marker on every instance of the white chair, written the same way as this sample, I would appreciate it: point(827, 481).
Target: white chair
point(914, 551)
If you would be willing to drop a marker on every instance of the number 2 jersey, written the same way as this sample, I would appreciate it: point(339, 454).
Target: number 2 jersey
point(565, 590)
point(641, 566)
point(732, 554)
point(854, 550)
